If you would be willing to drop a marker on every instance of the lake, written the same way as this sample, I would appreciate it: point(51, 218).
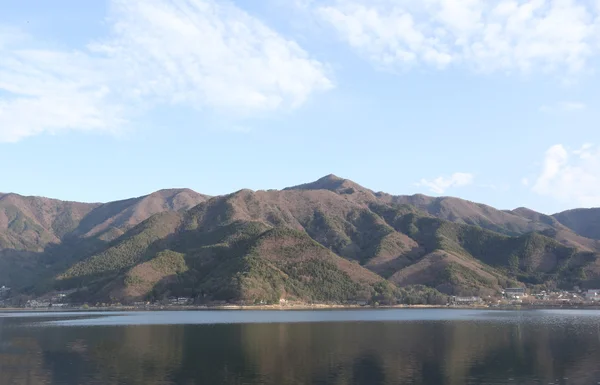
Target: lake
point(371, 347)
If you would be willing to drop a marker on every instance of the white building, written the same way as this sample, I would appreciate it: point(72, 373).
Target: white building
point(593, 295)
point(4, 291)
point(466, 300)
point(514, 292)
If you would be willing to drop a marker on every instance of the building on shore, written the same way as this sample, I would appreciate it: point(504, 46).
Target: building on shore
point(37, 303)
point(592, 295)
point(465, 300)
point(4, 291)
point(514, 292)
point(180, 301)
point(58, 298)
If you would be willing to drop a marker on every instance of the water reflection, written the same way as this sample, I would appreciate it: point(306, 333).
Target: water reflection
point(560, 351)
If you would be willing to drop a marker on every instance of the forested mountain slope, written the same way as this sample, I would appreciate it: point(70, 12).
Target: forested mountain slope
point(329, 240)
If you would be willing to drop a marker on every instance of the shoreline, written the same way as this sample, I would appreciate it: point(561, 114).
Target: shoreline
point(293, 307)
point(231, 307)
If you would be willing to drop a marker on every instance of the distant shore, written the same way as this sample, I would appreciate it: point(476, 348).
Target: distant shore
point(231, 307)
point(301, 307)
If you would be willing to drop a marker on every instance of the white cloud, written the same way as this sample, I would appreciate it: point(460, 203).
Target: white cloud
point(54, 91)
point(441, 184)
point(495, 187)
point(569, 106)
point(573, 106)
point(571, 176)
point(198, 53)
point(487, 35)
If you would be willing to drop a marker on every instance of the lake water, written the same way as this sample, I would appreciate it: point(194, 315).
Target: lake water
point(371, 347)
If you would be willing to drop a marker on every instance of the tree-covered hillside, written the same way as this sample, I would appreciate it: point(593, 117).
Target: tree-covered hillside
point(327, 241)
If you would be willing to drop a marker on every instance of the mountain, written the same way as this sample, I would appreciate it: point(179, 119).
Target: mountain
point(470, 213)
point(39, 235)
point(585, 222)
point(30, 223)
point(33, 222)
point(331, 240)
point(110, 220)
point(556, 230)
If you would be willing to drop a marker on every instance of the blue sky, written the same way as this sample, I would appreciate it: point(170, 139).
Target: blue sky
point(491, 101)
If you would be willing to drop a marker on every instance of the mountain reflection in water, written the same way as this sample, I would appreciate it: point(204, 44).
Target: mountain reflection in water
point(544, 348)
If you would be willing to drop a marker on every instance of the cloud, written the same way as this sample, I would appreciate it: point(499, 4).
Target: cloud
point(54, 91)
point(196, 53)
point(495, 187)
point(486, 35)
point(572, 106)
point(570, 176)
point(441, 184)
point(564, 107)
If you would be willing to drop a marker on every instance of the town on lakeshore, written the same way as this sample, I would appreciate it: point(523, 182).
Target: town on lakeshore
point(508, 297)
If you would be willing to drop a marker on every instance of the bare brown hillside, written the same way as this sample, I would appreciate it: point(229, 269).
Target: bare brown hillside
point(110, 220)
point(515, 222)
point(30, 223)
point(585, 222)
point(470, 213)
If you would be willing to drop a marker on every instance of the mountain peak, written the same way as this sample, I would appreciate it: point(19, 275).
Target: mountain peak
point(330, 177)
point(332, 183)
point(172, 192)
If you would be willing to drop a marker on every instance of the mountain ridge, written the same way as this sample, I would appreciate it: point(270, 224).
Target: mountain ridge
point(268, 245)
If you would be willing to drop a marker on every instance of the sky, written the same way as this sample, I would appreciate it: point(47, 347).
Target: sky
point(494, 101)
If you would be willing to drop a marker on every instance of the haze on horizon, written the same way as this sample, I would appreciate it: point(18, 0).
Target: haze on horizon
point(490, 101)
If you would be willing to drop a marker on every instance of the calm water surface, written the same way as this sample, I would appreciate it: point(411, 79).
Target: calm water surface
point(301, 347)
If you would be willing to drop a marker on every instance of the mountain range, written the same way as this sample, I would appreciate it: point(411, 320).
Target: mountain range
point(331, 240)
